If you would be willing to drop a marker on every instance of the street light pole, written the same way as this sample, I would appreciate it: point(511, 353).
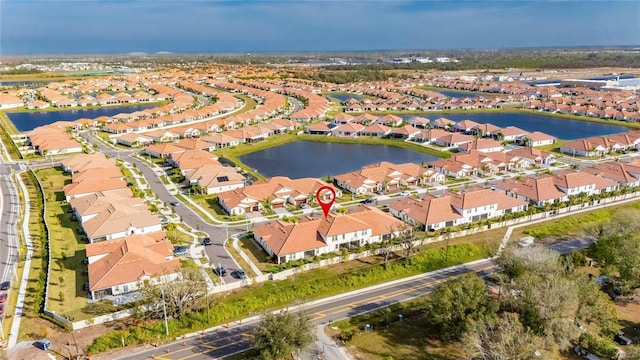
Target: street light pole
point(164, 311)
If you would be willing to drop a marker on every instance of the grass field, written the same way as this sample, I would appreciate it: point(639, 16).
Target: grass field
point(67, 249)
point(410, 339)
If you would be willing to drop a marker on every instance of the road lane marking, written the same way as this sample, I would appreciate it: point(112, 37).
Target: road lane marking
point(210, 350)
point(334, 310)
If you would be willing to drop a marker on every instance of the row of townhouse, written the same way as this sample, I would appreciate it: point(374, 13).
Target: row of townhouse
point(558, 187)
point(386, 176)
point(442, 131)
point(202, 169)
point(600, 145)
point(455, 208)
point(275, 192)
point(127, 247)
point(309, 236)
point(161, 143)
point(586, 110)
point(474, 162)
point(53, 139)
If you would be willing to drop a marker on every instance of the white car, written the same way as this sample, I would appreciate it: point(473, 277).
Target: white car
point(404, 193)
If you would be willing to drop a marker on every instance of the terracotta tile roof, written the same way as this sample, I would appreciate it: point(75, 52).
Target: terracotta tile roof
point(428, 210)
point(119, 217)
point(130, 259)
point(94, 185)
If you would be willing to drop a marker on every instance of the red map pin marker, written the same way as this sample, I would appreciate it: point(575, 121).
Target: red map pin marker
point(325, 204)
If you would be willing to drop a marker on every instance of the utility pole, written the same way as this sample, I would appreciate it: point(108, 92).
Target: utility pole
point(164, 311)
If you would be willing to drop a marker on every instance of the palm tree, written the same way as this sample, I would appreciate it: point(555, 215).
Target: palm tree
point(266, 203)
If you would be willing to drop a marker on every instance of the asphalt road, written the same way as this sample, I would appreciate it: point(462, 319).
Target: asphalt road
point(9, 213)
point(237, 337)
point(218, 234)
point(227, 341)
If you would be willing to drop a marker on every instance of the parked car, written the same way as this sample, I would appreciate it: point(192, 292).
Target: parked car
point(181, 251)
point(5, 285)
point(86, 287)
point(241, 274)
point(404, 193)
point(174, 203)
point(3, 298)
point(164, 221)
point(221, 271)
point(206, 241)
point(622, 339)
point(43, 344)
point(368, 201)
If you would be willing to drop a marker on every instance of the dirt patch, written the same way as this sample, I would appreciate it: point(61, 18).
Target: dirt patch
point(628, 308)
point(63, 343)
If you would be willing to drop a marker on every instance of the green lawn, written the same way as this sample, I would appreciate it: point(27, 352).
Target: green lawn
point(410, 339)
point(67, 249)
point(243, 264)
point(257, 255)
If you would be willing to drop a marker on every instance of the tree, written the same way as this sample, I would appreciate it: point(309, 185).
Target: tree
point(406, 238)
point(180, 296)
point(457, 304)
point(618, 247)
point(282, 334)
point(504, 338)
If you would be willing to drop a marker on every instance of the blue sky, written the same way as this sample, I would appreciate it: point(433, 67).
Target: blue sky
point(198, 26)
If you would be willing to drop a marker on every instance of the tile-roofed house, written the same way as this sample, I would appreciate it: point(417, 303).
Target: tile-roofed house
point(111, 172)
point(626, 174)
point(405, 132)
point(278, 190)
point(378, 130)
point(89, 206)
point(124, 265)
point(134, 140)
point(195, 144)
point(192, 159)
point(389, 120)
point(577, 182)
point(478, 203)
point(482, 145)
point(536, 138)
point(466, 126)
point(347, 130)
point(386, 176)
point(419, 122)
point(453, 140)
point(486, 130)
point(86, 161)
point(538, 191)
point(321, 128)
point(429, 136)
point(534, 156)
point(430, 211)
point(511, 133)
point(163, 150)
point(311, 237)
point(221, 140)
point(91, 186)
point(121, 219)
point(443, 123)
point(214, 179)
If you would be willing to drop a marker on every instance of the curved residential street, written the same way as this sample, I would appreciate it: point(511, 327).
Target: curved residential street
point(218, 234)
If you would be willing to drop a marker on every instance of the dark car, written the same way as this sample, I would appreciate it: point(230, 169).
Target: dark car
point(174, 203)
point(622, 339)
point(368, 201)
point(43, 344)
point(5, 285)
point(181, 251)
point(221, 271)
point(206, 241)
point(241, 274)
